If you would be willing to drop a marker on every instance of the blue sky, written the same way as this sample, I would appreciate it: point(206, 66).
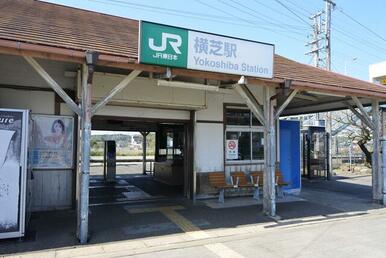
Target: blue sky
point(353, 47)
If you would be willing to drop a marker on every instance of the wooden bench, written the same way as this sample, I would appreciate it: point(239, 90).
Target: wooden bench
point(218, 181)
point(240, 180)
point(257, 178)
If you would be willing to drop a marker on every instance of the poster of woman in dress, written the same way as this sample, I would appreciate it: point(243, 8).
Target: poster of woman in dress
point(10, 150)
point(52, 142)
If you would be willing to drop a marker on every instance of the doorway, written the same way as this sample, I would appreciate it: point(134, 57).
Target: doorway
point(136, 160)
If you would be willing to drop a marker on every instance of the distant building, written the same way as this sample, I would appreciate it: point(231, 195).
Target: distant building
point(377, 73)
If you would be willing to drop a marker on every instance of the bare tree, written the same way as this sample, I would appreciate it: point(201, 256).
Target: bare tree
point(356, 131)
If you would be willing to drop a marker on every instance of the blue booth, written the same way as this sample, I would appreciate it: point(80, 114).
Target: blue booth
point(289, 150)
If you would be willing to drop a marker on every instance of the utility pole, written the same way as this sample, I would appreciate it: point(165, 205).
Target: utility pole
point(329, 7)
point(316, 38)
point(321, 53)
point(321, 37)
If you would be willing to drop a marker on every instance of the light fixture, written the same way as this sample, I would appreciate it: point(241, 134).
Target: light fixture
point(187, 85)
point(91, 57)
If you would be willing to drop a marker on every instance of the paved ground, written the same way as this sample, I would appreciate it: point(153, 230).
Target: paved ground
point(131, 168)
point(324, 221)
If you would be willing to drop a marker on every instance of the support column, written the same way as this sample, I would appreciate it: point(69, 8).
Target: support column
point(377, 175)
point(91, 58)
point(383, 167)
point(144, 150)
point(269, 195)
point(329, 145)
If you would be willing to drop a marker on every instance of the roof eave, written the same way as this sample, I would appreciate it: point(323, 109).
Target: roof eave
point(76, 56)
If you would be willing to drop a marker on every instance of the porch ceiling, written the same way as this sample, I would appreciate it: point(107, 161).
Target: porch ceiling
point(319, 103)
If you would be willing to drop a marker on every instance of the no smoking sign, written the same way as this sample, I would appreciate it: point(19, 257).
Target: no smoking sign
point(232, 150)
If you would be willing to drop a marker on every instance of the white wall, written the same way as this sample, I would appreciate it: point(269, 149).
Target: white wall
point(143, 112)
point(39, 102)
point(377, 72)
point(14, 70)
point(144, 92)
point(51, 189)
point(209, 132)
point(209, 147)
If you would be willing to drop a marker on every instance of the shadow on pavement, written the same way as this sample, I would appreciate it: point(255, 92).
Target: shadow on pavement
point(110, 223)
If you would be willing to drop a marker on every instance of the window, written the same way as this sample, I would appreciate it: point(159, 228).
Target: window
point(171, 143)
point(246, 131)
point(257, 145)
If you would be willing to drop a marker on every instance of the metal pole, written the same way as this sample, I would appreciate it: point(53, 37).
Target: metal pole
point(350, 156)
point(144, 150)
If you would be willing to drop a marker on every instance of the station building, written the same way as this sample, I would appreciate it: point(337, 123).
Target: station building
point(43, 68)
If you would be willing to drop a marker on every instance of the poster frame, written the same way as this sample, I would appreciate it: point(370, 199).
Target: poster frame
point(72, 142)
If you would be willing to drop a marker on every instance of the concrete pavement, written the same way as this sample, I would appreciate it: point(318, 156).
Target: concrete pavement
point(351, 236)
point(323, 221)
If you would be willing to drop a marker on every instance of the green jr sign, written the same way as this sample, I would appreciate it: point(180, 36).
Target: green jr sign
point(177, 47)
point(163, 45)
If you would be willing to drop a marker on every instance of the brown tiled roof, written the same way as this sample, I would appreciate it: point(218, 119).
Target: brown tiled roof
point(73, 30)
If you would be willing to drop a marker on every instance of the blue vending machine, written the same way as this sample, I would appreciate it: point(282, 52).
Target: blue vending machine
point(289, 150)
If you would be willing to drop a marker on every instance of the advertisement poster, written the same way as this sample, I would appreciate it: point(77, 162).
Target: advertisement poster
point(232, 149)
point(53, 142)
point(10, 152)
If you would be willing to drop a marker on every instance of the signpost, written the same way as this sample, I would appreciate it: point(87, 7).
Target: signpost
point(178, 47)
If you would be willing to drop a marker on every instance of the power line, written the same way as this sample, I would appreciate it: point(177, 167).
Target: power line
point(231, 14)
point(361, 50)
point(275, 10)
point(358, 38)
point(161, 8)
point(251, 13)
point(183, 14)
point(300, 7)
point(362, 25)
point(294, 13)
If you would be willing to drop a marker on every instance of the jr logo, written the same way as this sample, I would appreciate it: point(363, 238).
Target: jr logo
point(174, 40)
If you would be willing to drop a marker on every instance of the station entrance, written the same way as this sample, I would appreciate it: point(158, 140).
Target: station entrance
point(136, 160)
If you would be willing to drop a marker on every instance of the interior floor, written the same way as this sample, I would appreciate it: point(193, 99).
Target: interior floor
point(130, 189)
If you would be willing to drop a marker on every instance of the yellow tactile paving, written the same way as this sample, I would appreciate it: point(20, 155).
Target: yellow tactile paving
point(179, 220)
point(153, 209)
point(189, 228)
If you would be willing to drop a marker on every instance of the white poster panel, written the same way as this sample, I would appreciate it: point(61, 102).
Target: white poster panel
point(232, 149)
point(216, 53)
point(53, 142)
point(10, 169)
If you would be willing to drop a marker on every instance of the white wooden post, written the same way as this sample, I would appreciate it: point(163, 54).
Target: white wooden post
point(383, 166)
point(377, 175)
point(269, 195)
